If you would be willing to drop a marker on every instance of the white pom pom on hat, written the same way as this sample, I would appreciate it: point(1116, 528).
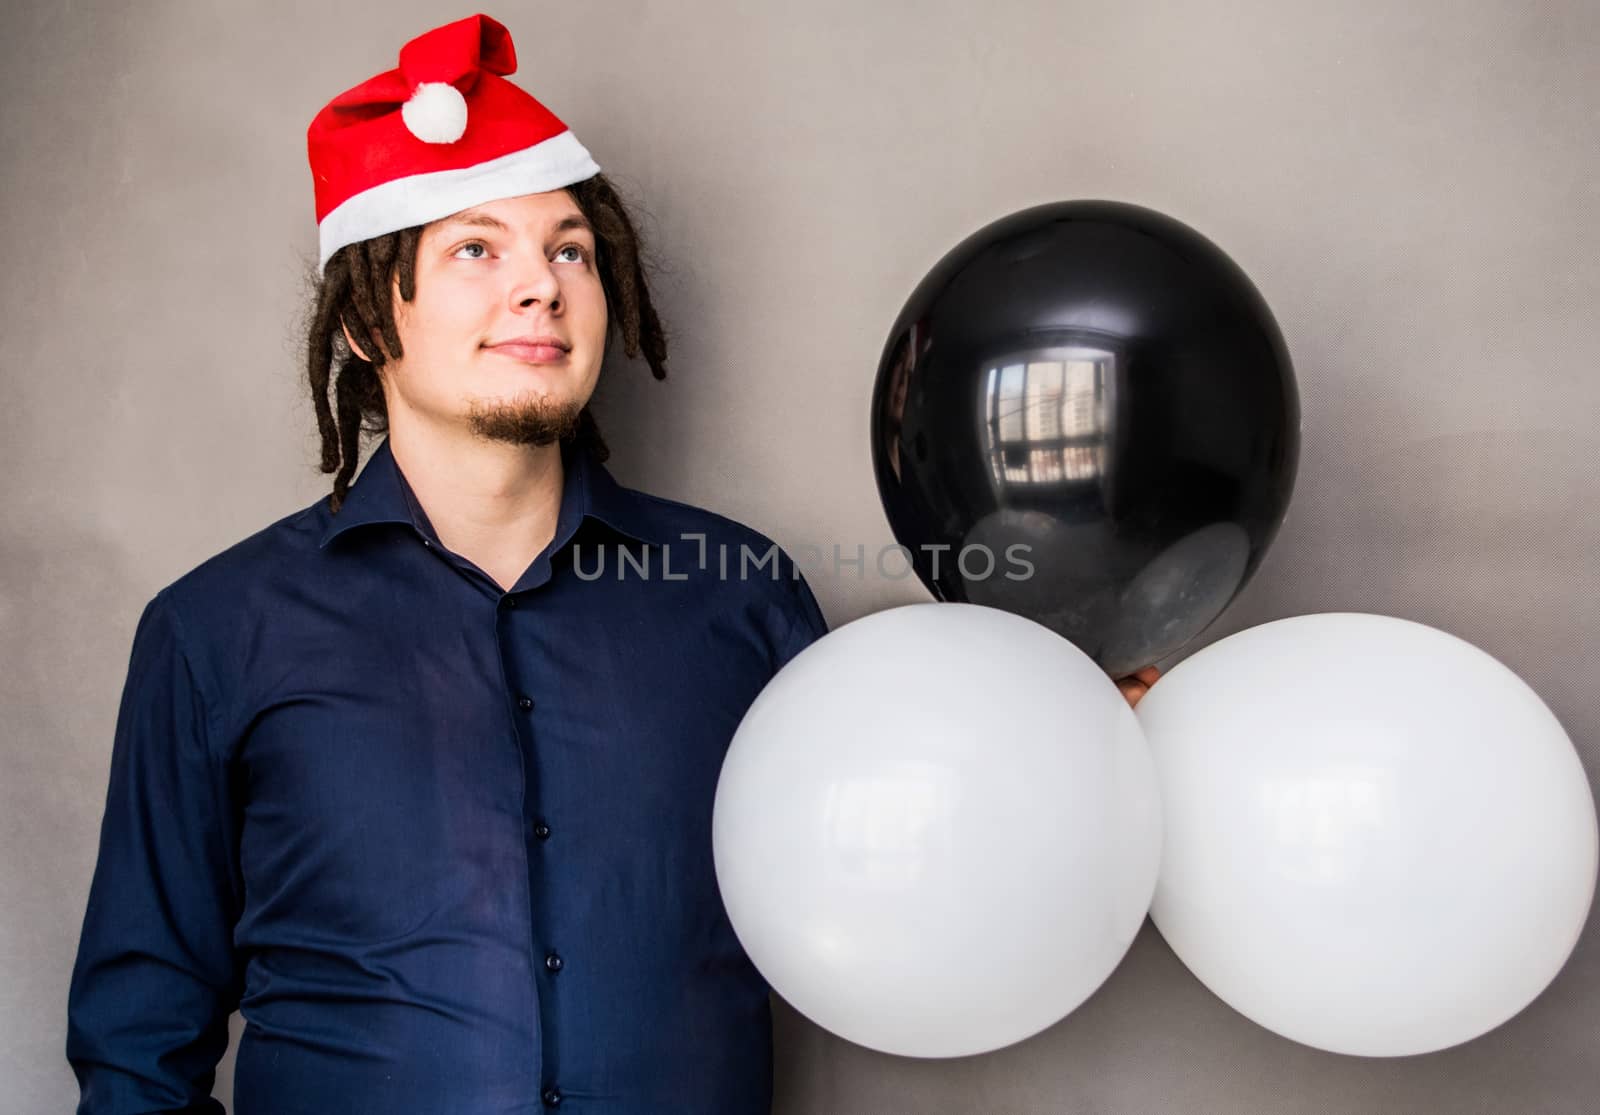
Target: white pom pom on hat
point(436, 112)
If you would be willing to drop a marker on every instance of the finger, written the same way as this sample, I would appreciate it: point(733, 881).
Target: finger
point(1133, 691)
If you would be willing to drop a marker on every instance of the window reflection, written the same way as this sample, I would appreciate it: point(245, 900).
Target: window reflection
point(1325, 824)
point(1046, 417)
point(881, 826)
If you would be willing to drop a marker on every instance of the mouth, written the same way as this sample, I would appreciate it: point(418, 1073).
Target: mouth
point(532, 350)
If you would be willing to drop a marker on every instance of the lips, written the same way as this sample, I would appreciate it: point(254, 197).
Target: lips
point(543, 349)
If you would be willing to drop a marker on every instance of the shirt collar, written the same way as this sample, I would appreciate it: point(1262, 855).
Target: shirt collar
point(382, 495)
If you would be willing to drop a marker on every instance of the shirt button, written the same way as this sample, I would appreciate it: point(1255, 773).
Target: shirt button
point(552, 1097)
point(524, 702)
point(554, 962)
point(542, 831)
point(508, 602)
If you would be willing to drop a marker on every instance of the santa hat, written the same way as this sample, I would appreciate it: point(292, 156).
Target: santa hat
point(441, 133)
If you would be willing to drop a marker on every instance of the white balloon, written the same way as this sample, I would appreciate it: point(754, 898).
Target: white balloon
point(1379, 841)
point(936, 830)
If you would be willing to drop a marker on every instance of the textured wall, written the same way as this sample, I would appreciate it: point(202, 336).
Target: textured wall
point(1414, 192)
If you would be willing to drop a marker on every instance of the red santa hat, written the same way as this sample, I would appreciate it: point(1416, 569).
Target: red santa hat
point(442, 132)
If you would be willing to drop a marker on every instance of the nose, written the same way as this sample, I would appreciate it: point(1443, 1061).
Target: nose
point(537, 283)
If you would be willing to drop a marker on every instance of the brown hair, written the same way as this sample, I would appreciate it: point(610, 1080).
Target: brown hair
point(356, 288)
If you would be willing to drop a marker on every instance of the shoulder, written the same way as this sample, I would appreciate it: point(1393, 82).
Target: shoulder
point(673, 518)
point(745, 561)
point(203, 616)
point(700, 538)
point(242, 578)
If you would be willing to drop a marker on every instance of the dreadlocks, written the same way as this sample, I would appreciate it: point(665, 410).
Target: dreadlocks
point(356, 289)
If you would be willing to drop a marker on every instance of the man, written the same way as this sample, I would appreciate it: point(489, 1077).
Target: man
point(399, 776)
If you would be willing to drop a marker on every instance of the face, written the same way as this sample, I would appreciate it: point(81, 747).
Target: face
point(507, 328)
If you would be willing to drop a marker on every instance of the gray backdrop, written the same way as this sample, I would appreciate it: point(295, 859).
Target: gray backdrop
point(1413, 191)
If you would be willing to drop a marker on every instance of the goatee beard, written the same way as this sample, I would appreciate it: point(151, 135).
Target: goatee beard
point(530, 420)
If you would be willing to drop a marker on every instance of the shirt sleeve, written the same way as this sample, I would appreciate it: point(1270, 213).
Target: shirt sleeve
point(155, 978)
point(806, 622)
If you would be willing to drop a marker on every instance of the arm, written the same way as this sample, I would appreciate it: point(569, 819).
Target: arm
point(805, 622)
point(155, 978)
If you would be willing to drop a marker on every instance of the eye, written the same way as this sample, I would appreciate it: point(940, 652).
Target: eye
point(482, 252)
point(583, 253)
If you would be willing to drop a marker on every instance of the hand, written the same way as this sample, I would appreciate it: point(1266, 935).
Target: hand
point(1137, 684)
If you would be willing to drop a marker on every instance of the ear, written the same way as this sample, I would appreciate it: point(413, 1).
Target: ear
point(351, 341)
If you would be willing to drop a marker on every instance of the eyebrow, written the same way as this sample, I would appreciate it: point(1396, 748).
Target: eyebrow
point(574, 222)
point(483, 220)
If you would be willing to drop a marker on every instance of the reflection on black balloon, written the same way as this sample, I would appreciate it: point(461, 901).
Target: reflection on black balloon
point(1175, 597)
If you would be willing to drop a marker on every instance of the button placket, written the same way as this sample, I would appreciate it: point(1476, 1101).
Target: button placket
point(553, 962)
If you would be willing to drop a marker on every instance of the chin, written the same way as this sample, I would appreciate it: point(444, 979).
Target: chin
point(526, 417)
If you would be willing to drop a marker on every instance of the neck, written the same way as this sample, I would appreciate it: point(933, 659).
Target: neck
point(492, 502)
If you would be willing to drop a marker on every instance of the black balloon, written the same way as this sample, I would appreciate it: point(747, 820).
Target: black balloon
point(1085, 414)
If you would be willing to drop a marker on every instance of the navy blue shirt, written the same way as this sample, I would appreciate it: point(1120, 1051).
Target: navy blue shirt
point(447, 848)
